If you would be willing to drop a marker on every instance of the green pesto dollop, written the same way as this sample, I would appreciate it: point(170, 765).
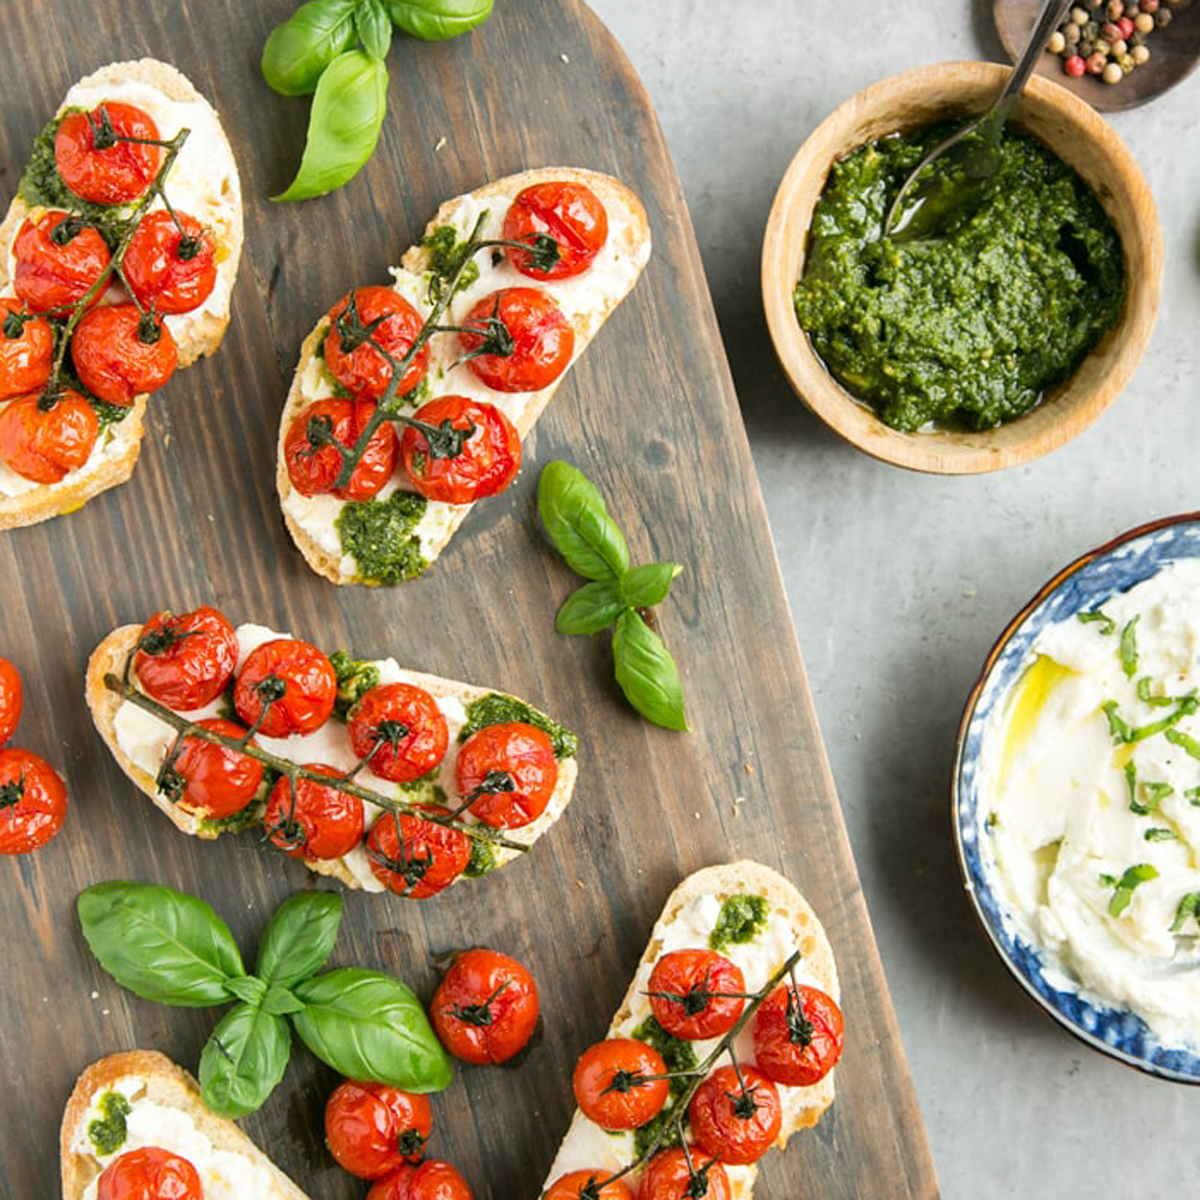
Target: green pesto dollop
point(355, 677)
point(970, 325)
point(447, 251)
point(498, 709)
point(379, 534)
point(107, 1131)
point(740, 920)
point(483, 859)
point(247, 818)
point(109, 414)
point(679, 1056)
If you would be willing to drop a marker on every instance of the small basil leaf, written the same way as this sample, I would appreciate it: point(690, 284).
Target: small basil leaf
point(646, 672)
point(648, 585)
point(374, 27)
point(243, 1060)
point(279, 1000)
point(343, 127)
point(248, 988)
point(299, 937)
point(590, 608)
point(159, 943)
point(436, 20)
point(296, 52)
point(370, 1026)
point(578, 523)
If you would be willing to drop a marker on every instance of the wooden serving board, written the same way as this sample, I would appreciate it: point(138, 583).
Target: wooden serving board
point(649, 413)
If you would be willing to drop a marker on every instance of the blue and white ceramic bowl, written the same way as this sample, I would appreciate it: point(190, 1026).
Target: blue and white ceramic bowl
point(1084, 585)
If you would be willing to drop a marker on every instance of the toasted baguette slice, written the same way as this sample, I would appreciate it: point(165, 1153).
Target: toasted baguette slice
point(686, 920)
point(353, 871)
point(155, 1087)
point(203, 182)
point(586, 300)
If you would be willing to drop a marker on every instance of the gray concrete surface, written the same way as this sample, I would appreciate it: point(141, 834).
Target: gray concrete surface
point(899, 582)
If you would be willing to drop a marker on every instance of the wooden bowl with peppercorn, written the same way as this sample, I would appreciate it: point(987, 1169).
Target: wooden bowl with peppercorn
point(1005, 331)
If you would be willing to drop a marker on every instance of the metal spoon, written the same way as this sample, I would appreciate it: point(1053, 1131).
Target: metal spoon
point(962, 176)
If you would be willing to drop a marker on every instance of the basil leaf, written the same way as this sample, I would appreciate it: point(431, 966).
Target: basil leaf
point(280, 1000)
point(370, 1026)
point(436, 20)
point(590, 608)
point(296, 52)
point(1128, 647)
point(374, 27)
point(243, 1060)
point(299, 937)
point(248, 988)
point(646, 672)
point(343, 127)
point(578, 523)
point(648, 585)
point(159, 943)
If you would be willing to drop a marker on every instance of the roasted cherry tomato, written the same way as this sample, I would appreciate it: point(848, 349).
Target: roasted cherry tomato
point(572, 1185)
point(414, 857)
point(171, 262)
point(11, 698)
point(296, 677)
point(675, 1175)
point(186, 660)
point(736, 1120)
point(149, 1173)
point(97, 159)
point(313, 821)
point(798, 1035)
point(432, 1180)
point(119, 352)
point(26, 349)
point(489, 460)
point(388, 320)
point(400, 731)
point(33, 801)
point(313, 466)
point(486, 1007)
point(58, 259)
point(43, 438)
point(512, 771)
point(524, 342)
point(570, 213)
point(616, 1083)
point(692, 993)
point(372, 1129)
point(211, 779)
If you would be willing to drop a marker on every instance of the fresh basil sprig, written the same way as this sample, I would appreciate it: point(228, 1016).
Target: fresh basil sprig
point(167, 946)
point(578, 523)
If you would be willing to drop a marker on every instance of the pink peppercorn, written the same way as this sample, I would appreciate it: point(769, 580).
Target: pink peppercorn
point(1096, 63)
point(1112, 32)
point(1148, 6)
point(1126, 26)
point(1074, 66)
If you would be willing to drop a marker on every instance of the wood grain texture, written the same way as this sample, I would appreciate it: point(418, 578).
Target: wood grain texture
point(649, 413)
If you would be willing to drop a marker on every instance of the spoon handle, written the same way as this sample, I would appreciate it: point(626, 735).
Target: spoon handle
point(1052, 14)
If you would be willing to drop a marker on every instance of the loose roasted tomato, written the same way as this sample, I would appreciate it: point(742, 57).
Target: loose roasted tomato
point(33, 801)
point(149, 1173)
point(693, 993)
point(523, 343)
point(570, 213)
point(798, 1035)
point(486, 1007)
point(488, 462)
point(389, 321)
point(170, 264)
point(313, 466)
point(511, 770)
point(678, 1175)
point(736, 1120)
point(26, 349)
point(120, 353)
point(618, 1083)
point(45, 438)
point(298, 681)
point(59, 258)
point(313, 821)
point(588, 1185)
point(372, 1129)
point(97, 159)
point(432, 1180)
point(211, 779)
point(186, 661)
point(11, 698)
point(399, 730)
point(414, 857)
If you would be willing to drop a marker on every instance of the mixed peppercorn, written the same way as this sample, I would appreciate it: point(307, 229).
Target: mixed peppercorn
point(1108, 37)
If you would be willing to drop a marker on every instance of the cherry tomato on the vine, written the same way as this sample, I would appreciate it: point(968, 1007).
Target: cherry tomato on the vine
point(414, 857)
point(313, 466)
point(58, 259)
point(98, 161)
point(11, 699)
point(798, 1035)
point(297, 679)
point(119, 352)
point(26, 349)
point(432, 1180)
point(313, 820)
point(33, 801)
point(570, 213)
point(149, 1173)
point(614, 1086)
point(486, 1007)
point(690, 993)
point(669, 1175)
point(489, 460)
point(519, 340)
point(186, 660)
point(736, 1120)
point(512, 771)
point(372, 1129)
point(400, 731)
point(170, 264)
point(44, 438)
point(213, 780)
point(571, 1186)
point(389, 321)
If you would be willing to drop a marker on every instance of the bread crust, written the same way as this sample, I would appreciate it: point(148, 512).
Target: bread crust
point(166, 1084)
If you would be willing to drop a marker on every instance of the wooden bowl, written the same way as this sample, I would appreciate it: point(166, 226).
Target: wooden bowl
point(1077, 134)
